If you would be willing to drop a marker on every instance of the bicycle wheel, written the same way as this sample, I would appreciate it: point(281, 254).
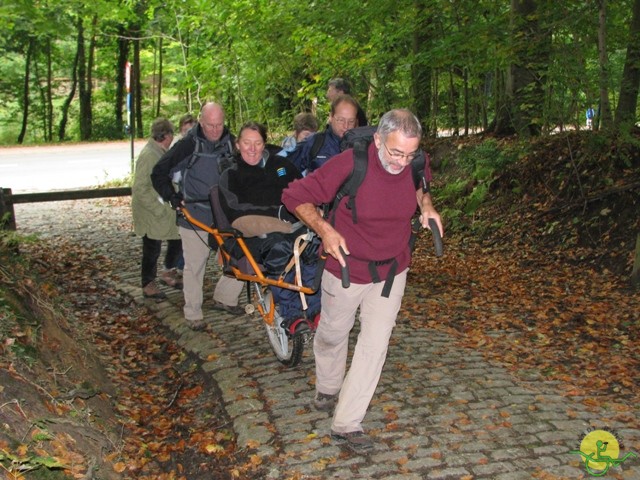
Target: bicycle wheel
point(288, 348)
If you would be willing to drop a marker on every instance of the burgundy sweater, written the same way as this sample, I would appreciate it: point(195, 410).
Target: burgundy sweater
point(385, 204)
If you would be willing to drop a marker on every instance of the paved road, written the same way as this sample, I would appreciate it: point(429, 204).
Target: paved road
point(62, 167)
point(440, 411)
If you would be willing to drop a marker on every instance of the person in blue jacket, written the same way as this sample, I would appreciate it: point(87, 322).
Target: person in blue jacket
point(313, 152)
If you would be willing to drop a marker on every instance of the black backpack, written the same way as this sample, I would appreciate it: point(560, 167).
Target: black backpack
point(359, 139)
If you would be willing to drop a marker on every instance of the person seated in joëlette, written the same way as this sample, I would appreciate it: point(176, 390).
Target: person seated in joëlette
point(249, 194)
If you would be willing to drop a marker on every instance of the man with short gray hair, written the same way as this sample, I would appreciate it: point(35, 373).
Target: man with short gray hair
point(194, 163)
point(377, 252)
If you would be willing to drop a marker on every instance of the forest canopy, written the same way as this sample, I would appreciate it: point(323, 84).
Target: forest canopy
point(521, 66)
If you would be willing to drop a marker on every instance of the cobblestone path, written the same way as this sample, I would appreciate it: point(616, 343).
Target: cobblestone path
point(440, 411)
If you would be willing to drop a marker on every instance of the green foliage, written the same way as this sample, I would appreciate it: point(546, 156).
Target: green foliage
point(483, 160)
point(479, 165)
point(118, 182)
point(476, 198)
point(269, 60)
point(18, 464)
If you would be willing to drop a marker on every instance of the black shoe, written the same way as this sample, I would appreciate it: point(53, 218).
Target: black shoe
point(358, 442)
point(325, 402)
point(195, 325)
point(236, 311)
point(151, 290)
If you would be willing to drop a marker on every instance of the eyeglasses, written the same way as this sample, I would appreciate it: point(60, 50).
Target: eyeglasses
point(349, 122)
point(401, 156)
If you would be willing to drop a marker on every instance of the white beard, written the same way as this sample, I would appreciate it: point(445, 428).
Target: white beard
point(385, 165)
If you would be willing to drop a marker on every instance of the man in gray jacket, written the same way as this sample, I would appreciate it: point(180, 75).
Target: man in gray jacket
point(193, 163)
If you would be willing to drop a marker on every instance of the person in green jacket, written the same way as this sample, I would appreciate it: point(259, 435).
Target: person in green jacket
point(154, 220)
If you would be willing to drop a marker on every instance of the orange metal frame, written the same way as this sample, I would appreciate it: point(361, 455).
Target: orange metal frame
point(257, 276)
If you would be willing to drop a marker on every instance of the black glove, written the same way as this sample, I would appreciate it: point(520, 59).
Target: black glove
point(176, 200)
point(285, 215)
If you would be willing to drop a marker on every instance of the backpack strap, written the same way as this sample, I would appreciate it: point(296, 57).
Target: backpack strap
point(418, 166)
point(318, 142)
point(353, 181)
point(194, 156)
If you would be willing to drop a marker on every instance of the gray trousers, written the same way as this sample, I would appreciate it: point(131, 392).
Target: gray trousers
point(196, 252)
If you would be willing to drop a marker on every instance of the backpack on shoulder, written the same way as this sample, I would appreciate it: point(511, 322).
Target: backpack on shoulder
point(359, 139)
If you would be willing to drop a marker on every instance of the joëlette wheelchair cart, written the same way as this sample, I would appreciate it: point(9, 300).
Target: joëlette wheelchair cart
point(287, 341)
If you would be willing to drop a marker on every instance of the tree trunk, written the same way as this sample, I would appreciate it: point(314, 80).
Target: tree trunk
point(123, 53)
point(482, 95)
point(502, 124)
point(465, 76)
point(453, 105)
point(136, 86)
point(532, 44)
point(420, 70)
point(627, 104)
point(42, 90)
point(603, 115)
point(49, 93)
point(25, 90)
point(159, 92)
point(635, 273)
point(42, 110)
point(85, 116)
point(436, 106)
point(522, 108)
point(90, 64)
point(67, 102)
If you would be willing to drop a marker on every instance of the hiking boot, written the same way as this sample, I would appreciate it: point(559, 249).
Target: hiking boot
point(196, 325)
point(151, 290)
point(236, 310)
point(171, 278)
point(325, 402)
point(357, 442)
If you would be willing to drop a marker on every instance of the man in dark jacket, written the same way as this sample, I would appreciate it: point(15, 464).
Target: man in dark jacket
point(193, 163)
point(316, 149)
point(339, 86)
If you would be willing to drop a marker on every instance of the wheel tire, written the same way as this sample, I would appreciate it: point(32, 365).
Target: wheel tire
point(288, 349)
point(249, 308)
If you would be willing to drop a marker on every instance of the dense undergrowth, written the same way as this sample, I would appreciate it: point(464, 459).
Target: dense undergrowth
point(572, 195)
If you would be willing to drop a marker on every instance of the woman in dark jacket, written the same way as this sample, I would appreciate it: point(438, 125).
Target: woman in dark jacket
point(249, 194)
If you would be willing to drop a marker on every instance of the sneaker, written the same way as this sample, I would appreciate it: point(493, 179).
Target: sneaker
point(325, 402)
point(196, 325)
point(151, 290)
point(355, 441)
point(236, 310)
point(172, 279)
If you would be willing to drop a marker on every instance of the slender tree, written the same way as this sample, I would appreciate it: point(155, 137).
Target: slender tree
point(85, 106)
point(26, 90)
point(122, 43)
point(49, 92)
point(420, 68)
point(62, 127)
point(604, 118)
point(527, 74)
point(628, 102)
point(159, 77)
